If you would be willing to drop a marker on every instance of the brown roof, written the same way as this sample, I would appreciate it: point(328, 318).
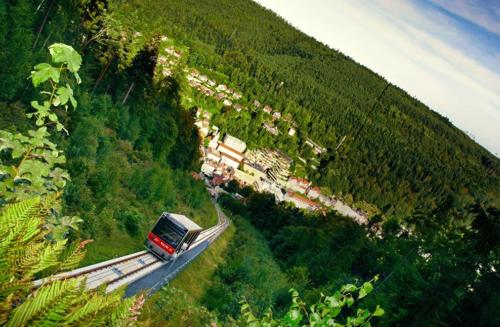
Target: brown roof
point(231, 149)
point(302, 199)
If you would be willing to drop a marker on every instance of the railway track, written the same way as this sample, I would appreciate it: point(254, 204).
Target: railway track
point(126, 269)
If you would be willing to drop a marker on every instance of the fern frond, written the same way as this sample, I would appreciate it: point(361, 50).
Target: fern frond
point(49, 257)
point(92, 306)
point(19, 211)
point(54, 315)
point(19, 222)
point(23, 259)
point(43, 298)
point(73, 256)
point(123, 315)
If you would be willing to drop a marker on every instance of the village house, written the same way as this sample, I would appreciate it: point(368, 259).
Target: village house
point(203, 127)
point(237, 95)
point(292, 131)
point(325, 200)
point(166, 72)
point(235, 143)
point(276, 115)
point(228, 102)
point(211, 83)
point(213, 155)
point(267, 109)
point(208, 168)
point(238, 107)
point(314, 192)
point(162, 60)
point(212, 145)
point(221, 88)
point(205, 90)
point(271, 129)
point(316, 147)
point(217, 180)
point(231, 150)
point(267, 186)
point(256, 103)
point(297, 184)
point(300, 201)
point(220, 96)
point(203, 78)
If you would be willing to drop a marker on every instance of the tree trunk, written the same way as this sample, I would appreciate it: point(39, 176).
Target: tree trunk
point(103, 72)
point(128, 93)
point(43, 24)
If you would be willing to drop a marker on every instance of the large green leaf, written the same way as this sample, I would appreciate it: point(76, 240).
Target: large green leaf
point(65, 54)
point(43, 72)
point(65, 94)
point(378, 311)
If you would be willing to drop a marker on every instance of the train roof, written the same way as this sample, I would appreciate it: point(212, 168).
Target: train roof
point(184, 221)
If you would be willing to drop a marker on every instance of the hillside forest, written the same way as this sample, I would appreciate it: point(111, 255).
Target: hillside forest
point(428, 257)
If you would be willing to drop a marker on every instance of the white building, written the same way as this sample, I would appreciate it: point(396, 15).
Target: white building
point(231, 150)
point(208, 168)
point(235, 143)
point(213, 155)
point(230, 160)
point(221, 88)
point(313, 192)
point(292, 131)
point(268, 186)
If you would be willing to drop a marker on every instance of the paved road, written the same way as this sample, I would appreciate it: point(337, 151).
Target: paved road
point(154, 281)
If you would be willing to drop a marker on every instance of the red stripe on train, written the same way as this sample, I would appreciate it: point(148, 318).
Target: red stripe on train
point(158, 241)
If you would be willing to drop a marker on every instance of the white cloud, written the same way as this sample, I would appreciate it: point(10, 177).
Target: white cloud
point(395, 39)
point(483, 13)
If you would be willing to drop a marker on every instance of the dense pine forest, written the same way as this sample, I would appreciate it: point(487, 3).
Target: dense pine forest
point(397, 154)
point(431, 251)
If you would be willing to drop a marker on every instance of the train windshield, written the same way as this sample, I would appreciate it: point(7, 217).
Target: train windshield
point(169, 232)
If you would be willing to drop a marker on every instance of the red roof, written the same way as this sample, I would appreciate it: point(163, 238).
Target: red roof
point(300, 180)
point(302, 199)
point(217, 180)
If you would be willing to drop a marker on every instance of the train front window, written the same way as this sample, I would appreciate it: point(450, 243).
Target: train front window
point(169, 232)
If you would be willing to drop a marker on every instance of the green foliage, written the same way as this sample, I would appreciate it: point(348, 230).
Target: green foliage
point(432, 266)
point(26, 252)
point(32, 233)
point(16, 39)
point(32, 168)
point(249, 272)
point(328, 311)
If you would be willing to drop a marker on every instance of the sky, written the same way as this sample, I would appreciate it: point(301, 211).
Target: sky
point(446, 53)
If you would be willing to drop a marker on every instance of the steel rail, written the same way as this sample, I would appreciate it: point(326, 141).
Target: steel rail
point(129, 268)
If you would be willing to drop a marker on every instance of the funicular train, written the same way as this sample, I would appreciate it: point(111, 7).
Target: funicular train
point(172, 235)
